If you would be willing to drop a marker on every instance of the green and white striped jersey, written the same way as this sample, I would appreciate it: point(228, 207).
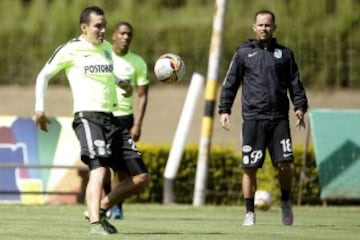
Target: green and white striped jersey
point(89, 70)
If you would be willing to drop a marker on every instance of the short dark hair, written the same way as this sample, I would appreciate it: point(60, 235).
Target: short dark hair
point(265, 11)
point(123, 23)
point(85, 14)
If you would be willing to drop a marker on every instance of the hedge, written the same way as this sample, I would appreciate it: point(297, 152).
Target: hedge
point(224, 176)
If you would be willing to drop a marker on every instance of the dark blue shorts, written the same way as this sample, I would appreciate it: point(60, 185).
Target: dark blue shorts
point(104, 142)
point(262, 135)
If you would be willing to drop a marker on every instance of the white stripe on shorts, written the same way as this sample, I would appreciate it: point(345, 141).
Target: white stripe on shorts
point(88, 137)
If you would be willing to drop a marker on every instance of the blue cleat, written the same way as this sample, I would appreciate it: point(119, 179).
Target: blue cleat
point(117, 212)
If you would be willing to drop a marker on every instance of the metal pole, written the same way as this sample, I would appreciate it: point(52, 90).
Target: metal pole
point(210, 96)
point(177, 148)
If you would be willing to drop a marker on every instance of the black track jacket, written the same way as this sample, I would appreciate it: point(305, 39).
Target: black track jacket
point(266, 76)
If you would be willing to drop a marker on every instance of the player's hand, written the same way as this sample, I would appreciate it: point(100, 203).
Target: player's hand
point(126, 86)
point(41, 121)
point(225, 121)
point(300, 123)
point(135, 133)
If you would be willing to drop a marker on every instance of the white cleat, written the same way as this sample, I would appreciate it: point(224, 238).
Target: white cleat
point(249, 219)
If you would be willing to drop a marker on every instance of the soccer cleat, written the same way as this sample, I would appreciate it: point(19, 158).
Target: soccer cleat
point(97, 228)
point(117, 212)
point(249, 219)
point(105, 223)
point(287, 216)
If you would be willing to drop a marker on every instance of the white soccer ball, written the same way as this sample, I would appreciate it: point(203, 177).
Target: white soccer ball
point(262, 199)
point(169, 68)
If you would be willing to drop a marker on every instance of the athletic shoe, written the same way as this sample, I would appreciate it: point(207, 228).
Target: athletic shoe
point(97, 228)
point(249, 219)
point(287, 216)
point(105, 223)
point(117, 212)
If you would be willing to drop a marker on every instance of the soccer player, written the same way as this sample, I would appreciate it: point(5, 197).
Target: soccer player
point(267, 72)
point(87, 62)
point(130, 67)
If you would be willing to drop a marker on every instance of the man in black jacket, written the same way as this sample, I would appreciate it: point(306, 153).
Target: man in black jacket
point(267, 72)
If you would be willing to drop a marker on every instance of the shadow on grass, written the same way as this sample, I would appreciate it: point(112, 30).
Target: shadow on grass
point(174, 233)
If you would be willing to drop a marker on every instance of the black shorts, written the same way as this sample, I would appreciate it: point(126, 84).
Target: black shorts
point(104, 143)
point(259, 135)
point(126, 121)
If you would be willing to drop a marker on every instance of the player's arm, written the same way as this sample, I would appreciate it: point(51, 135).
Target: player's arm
point(297, 93)
point(229, 89)
point(142, 100)
point(41, 86)
point(142, 89)
point(56, 62)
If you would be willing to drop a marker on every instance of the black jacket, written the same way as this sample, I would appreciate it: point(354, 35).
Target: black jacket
point(266, 76)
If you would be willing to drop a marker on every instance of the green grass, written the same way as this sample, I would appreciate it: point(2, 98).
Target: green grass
point(180, 222)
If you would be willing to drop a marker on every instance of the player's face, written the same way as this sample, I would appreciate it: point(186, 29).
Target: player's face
point(264, 27)
point(122, 37)
point(94, 31)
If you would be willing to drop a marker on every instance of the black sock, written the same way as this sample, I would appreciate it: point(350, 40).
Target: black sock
point(285, 195)
point(249, 203)
point(102, 211)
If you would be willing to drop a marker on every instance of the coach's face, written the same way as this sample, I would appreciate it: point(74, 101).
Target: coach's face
point(94, 30)
point(264, 27)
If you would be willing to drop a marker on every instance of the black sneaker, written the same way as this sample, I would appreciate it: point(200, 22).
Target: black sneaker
point(97, 228)
point(287, 216)
point(105, 223)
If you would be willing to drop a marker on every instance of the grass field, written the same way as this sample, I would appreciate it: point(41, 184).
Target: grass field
point(180, 222)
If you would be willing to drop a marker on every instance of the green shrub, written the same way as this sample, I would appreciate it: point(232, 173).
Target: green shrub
point(224, 176)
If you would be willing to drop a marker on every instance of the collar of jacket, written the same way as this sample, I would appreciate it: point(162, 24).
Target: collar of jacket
point(256, 44)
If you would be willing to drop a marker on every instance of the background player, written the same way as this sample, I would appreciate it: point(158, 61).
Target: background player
point(130, 67)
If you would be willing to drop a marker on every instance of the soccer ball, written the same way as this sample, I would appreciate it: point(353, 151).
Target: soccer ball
point(169, 68)
point(262, 199)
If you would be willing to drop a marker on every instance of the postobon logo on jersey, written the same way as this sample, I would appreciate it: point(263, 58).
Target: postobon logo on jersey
point(100, 68)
